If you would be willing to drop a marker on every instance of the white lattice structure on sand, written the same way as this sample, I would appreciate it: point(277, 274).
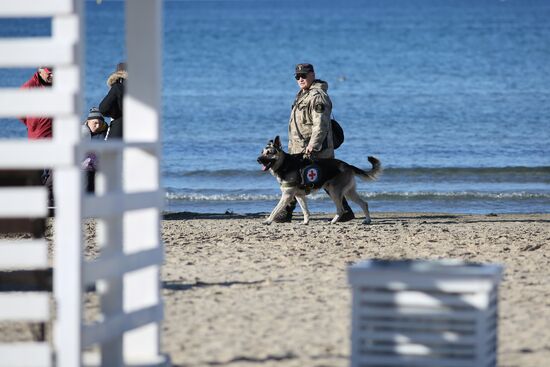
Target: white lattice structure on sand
point(424, 313)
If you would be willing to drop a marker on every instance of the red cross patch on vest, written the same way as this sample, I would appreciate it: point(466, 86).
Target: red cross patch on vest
point(311, 174)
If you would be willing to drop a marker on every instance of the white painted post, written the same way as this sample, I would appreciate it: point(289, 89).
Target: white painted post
point(68, 239)
point(142, 116)
point(110, 240)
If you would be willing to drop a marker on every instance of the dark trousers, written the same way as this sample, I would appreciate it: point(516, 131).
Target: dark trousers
point(47, 180)
point(90, 182)
point(115, 131)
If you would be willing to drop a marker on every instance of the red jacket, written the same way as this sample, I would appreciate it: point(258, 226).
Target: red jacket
point(37, 127)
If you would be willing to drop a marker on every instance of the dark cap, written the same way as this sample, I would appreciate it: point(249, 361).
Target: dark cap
point(95, 114)
point(304, 68)
point(121, 66)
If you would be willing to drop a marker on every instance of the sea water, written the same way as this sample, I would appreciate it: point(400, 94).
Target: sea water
point(453, 96)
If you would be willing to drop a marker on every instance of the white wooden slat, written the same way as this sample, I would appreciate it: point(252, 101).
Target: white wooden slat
point(116, 266)
point(439, 338)
point(142, 101)
point(135, 241)
point(142, 287)
point(426, 299)
point(110, 239)
point(33, 52)
point(115, 204)
point(436, 314)
point(92, 358)
point(413, 349)
point(25, 355)
point(35, 102)
point(146, 117)
point(36, 154)
point(397, 282)
point(66, 28)
point(34, 8)
point(141, 171)
point(374, 360)
point(67, 132)
point(23, 254)
point(416, 324)
point(27, 306)
point(68, 257)
point(67, 79)
point(117, 325)
point(23, 202)
point(114, 145)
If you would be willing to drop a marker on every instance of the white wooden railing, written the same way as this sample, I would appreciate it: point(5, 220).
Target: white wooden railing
point(127, 206)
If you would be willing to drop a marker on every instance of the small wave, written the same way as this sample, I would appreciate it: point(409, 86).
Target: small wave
point(397, 196)
point(542, 172)
point(464, 195)
point(215, 173)
point(470, 171)
point(220, 197)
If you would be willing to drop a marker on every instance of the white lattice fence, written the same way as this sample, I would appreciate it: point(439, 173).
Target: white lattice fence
point(127, 206)
point(61, 50)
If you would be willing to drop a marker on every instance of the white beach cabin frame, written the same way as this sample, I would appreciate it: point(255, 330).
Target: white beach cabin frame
point(127, 207)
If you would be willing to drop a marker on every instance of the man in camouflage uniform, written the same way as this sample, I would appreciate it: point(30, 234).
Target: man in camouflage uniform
point(309, 127)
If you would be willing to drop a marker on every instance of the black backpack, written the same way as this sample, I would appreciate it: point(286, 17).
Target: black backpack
point(337, 133)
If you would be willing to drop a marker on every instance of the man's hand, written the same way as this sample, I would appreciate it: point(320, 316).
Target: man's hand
point(309, 150)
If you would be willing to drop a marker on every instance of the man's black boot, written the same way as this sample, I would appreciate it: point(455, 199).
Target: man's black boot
point(348, 213)
point(285, 215)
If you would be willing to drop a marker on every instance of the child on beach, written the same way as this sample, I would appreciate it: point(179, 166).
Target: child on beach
point(94, 128)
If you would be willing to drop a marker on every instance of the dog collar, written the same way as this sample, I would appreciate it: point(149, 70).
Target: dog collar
point(289, 184)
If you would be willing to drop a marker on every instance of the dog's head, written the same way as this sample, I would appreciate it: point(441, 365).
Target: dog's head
point(271, 154)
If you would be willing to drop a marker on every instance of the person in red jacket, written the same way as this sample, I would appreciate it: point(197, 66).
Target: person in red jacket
point(39, 127)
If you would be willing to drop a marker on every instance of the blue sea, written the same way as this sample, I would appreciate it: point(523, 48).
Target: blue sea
point(453, 96)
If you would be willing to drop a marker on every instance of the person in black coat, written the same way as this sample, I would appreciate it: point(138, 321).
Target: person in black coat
point(111, 105)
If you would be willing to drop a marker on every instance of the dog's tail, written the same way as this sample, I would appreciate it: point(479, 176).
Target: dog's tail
point(373, 173)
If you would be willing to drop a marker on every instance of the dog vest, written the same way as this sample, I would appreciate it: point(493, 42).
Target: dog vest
point(311, 174)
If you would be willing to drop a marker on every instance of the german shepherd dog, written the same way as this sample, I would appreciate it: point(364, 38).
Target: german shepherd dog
point(299, 175)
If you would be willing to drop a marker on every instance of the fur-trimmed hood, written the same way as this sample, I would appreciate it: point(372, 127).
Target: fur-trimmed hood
point(114, 77)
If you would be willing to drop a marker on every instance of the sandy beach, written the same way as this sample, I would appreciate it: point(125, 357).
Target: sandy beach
point(240, 293)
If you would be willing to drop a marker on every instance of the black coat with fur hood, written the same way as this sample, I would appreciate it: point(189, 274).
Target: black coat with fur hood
point(111, 105)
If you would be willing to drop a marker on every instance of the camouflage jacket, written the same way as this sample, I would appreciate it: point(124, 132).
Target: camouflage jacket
point(310, 121)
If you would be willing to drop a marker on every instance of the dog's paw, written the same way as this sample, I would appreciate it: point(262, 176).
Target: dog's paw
point(367, 221)
point(267, 222)
point(306, 222)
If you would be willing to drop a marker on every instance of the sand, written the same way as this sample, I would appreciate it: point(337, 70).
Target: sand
point(240, 293)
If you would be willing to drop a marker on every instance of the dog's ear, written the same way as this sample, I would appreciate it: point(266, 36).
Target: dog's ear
point(277, 142)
